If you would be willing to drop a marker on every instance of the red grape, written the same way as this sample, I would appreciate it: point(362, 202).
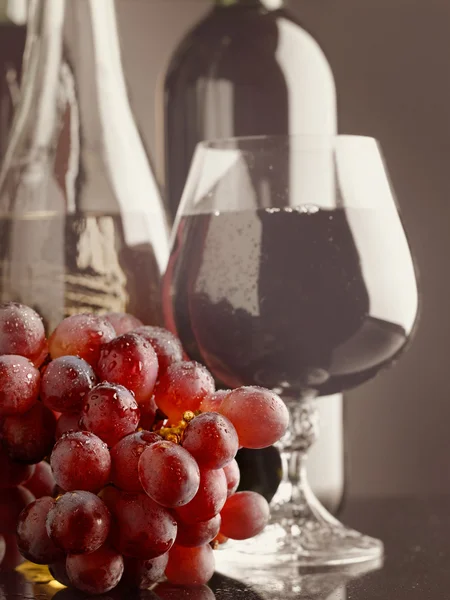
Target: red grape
point(141, 574)
point(129, 360)
point(170, 591)
point(122, 322)
point(12, 558)
point(3, 549)
point(259, 416)
point(220, 539)
point(42, 483)
point(125, 457)
point(66, 382)
point(81, 335)
point(167, 346)
point(78, 522)
point(19, 385)
point(29, 438)
point(142, 528)
point(12, 502)
point(212, 440)
point(22, 332)
point(110, 495)
point(59, 572)
point(67, 422)
point(244, 515)
point(212, 402)
point(190, 566)
point(208, 501)
point(233, 475)
point(197, 534)
point(111, 412)
point(33, 540)
point(13, 473)
point(148, 414)
point(95, 573)
point(168, 474)
point(183, 387)
point(81, 461)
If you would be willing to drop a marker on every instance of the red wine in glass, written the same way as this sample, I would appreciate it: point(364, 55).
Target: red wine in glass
point(279, 298)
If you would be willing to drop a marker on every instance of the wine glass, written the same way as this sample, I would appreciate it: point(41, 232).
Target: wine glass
point(290, 269)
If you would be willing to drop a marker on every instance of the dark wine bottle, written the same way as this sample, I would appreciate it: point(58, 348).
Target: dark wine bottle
point(251, 68)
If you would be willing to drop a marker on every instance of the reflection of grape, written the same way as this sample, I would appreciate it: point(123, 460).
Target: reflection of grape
point(170, 591)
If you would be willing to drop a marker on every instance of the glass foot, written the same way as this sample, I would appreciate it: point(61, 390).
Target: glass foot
point(272, 579)
point(289, 552)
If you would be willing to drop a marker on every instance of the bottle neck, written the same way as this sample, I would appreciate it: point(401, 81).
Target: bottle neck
point(73, 73)
point(268, 4)
point(74, 121)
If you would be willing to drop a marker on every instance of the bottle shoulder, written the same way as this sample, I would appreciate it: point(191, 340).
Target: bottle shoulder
point(220, 40)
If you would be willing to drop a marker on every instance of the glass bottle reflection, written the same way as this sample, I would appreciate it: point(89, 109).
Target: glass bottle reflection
point(81, 221)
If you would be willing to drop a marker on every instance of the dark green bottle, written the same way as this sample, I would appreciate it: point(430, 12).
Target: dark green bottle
point(251, 68)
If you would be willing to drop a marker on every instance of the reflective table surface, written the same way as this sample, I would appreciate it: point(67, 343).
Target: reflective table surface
point(416, 533)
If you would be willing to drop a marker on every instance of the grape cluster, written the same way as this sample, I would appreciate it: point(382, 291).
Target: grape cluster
point(117, 455)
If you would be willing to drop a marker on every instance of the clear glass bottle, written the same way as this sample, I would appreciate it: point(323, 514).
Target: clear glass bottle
point(82, 227)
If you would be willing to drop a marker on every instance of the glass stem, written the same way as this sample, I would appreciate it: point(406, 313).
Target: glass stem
point(294, 499)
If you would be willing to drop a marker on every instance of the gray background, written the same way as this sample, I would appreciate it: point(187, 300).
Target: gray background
point(391, 60)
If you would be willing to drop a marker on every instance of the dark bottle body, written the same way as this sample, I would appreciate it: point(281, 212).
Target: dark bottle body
point(247, 70)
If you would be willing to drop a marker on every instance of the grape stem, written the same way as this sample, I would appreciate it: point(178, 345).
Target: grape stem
point(175, 433)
